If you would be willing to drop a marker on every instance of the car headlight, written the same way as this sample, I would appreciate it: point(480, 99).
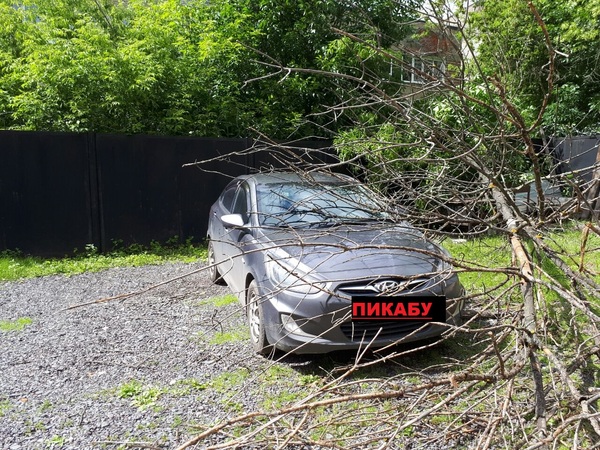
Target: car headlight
point(444, 264)
point(290, 274)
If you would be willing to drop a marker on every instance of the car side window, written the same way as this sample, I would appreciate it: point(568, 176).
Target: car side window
point(228, 196)
point(240, 206)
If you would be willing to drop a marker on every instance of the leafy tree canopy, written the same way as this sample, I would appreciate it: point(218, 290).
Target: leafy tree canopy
point(512, 47)
point(173, 67)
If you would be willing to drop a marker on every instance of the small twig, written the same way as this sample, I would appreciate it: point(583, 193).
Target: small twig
point(130, 444)
point(82, 416)
point(119, 364)
point(584, 238)
point(134, 293)
point(498, 354)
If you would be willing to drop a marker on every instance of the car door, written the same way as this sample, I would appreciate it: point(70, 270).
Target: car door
point(233, 267)
point(216, 229)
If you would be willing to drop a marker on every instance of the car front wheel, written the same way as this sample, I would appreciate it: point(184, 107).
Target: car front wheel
point(213, 271)
point(256, 321)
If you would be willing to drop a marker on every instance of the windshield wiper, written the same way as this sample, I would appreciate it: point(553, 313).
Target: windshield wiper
point(295, 224)
point(339, 221)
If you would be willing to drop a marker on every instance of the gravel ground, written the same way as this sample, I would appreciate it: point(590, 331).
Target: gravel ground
point(146, 371)
point(107, 375)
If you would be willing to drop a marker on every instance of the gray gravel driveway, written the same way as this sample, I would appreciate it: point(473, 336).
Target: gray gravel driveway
point(144, 370)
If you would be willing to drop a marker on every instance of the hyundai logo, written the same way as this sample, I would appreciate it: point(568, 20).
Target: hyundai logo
point(389, 286)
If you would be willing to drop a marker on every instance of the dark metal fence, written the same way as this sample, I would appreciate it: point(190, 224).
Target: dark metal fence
point(579, 157)
point(63, 191)
point(576, 155)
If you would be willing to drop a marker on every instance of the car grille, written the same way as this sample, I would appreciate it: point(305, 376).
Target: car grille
point(410, 285)
point(368, 329)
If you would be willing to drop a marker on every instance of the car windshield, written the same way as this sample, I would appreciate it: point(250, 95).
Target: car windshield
point(303, 204)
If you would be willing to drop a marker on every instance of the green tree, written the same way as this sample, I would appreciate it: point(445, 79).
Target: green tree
point(450, 147)
point(171, 67)
point(283, 35)
point(139, 68)
point(512, 47)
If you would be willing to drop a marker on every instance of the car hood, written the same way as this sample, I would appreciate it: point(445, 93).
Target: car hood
point(354, 252)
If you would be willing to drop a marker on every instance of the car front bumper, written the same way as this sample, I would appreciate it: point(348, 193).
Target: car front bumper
point(322, 323)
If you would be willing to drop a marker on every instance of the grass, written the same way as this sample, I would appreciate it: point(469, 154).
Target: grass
point(281, 386)
point(491, 252)
point(494, 252)
point(187, 386)
point(227, 381)
point(220, 301)
point(565, 328)
point(14, 265)
point(56, 441)
point(5, 406)
point(224, 337)
point(6, 326)
point(142, 396)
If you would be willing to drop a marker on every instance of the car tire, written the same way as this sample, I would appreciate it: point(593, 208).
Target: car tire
point(213, 270)
point(254, 308)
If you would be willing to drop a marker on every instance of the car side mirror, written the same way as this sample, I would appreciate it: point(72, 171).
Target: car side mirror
point(233, 220)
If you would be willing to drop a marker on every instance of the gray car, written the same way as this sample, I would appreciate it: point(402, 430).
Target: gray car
point(319, 265)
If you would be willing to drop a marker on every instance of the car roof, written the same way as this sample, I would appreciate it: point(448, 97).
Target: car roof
point(295, 177)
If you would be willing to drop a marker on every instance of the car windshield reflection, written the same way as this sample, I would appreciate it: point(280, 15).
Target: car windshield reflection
point(303, 204)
